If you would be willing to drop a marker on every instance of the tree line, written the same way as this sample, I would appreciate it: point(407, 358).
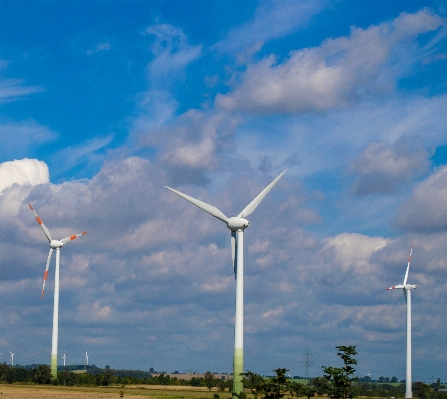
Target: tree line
point(336, 383)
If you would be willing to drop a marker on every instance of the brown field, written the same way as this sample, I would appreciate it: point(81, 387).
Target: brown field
point(16, 391)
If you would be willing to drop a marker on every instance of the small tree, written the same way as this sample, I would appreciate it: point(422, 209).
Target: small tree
point(43, 374)
point(341, 378)
point(296, 390)
point(274, 388)
point(209, 380)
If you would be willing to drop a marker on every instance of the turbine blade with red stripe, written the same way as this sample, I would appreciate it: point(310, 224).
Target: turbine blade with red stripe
point(45, 275)
point(408, 267)
point(39, 220)
point(71, 238)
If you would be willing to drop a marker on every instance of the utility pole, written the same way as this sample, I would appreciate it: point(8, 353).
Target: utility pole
point(306, 362)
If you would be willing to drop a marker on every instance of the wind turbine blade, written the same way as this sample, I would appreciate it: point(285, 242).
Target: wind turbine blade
point(395, 286)
point(71, 238)
point(408, 267)
point(212, 210)
point(233, 251)
point(39, 220)
point(45, 275)
point(253, 204)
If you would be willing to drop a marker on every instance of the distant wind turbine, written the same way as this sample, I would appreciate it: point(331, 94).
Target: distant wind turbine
point(12, 358)
point(86, 358)
point(54, 244)
point(64, 357)
point(407, 292)
point(237, 225)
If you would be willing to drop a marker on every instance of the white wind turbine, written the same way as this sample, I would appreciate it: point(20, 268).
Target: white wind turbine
point(86, 358)
point(407, 292)
point(57, 245)
point(12, 358)
point(64, 357)
point(237, 225)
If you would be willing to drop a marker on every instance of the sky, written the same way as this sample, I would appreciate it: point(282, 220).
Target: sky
point(104, 103)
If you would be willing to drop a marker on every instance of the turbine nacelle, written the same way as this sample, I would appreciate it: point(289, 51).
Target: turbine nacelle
point(237, 223)
point(401, 286)
point(55, 244)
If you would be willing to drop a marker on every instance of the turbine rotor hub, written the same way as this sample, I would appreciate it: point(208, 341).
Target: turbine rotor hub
point(235, 224)
point(56, 244)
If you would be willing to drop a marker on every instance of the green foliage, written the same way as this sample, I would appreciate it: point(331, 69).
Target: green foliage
point(276, 387)
point(43, 374)
point(209, 380)
point(321, 385)
point(341, 378)
point(423, 391)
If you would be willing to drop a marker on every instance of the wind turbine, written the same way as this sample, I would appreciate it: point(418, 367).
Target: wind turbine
point(12, 358)
point(64, 357)
point(407, 292)
point(86, 358)
point(237, 225)
point(57, 245)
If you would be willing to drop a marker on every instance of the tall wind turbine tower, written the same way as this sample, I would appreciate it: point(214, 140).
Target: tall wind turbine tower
point(407, 292)
point(12, 358)
point(64, 357)
point(54, 245)
point(237, 225)
point(86, 358)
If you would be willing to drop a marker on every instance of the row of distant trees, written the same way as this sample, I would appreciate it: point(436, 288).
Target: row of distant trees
point(103, 377)
point(336, 383)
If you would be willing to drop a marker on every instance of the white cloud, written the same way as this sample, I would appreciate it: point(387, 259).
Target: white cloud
point(100, 47)
point(426, 210)
point(87, 152)
point(381, 168)
point(18, 137)
point(271, 20)
point(353, 251)
point(23, 171)
point(172, 52)
point(341, 70)
point(15, 89)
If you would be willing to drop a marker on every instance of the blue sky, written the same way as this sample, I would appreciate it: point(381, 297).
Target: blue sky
point(105, 103)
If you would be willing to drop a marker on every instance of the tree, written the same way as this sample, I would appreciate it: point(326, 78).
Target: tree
point(394, 379)
point(321, 385)
point(341, 378)
point(43, 374)
point(209, 380)
point(275, 388)
point(423, 391)
point(106, 377)
point(220, 384)
point(296, 390)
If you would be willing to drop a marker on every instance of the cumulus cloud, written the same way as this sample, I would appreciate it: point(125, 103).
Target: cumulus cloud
point(341, 70)
point(383, 169)
point(197, 143)
point(426, 210)
point(23, 171)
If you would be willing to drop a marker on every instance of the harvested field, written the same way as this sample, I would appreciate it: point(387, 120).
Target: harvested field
point(15, 391)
